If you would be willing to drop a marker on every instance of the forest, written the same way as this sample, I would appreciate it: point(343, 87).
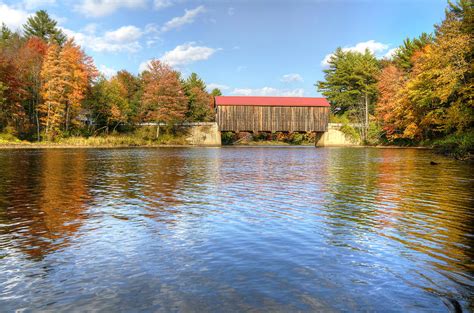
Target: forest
point(50, 89)
point(422, 95)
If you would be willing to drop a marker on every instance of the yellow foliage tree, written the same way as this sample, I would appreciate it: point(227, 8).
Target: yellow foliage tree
point(53, 91)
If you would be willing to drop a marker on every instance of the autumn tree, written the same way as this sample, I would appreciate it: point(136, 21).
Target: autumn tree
point(12, 111)
point(29, 63)
point(199, 101)
point(53, 91)
point(438, 89)
point(131, 90)
point(79, 71)
point(108, 103)
point(427, 91)
point(403, 55)
point(41, 25)
point(163, 97)
point(390, 82)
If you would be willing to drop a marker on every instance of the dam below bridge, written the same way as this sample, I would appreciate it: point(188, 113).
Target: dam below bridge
point(208, 134)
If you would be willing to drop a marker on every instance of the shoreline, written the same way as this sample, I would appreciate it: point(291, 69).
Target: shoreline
point(13, 146)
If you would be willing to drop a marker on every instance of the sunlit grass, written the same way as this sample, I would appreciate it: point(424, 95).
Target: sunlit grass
point(116, 140)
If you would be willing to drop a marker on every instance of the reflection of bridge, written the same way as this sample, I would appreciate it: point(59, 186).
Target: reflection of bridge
point(272, 114)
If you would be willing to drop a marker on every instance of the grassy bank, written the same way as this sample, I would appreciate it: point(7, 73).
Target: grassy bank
point(114, 140)
point(459, 146)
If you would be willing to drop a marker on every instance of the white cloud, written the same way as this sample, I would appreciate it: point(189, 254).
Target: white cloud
point(124, 34)
point(97, 8)
point(188, 18)
point(289, 78)
point(372, 45)
point(33, 4)
point(59, 19)
point(390, 53)
point(230, 11)
point(13, 18)
point(161, 4)
point(268, 91)
point(107, 71)
point(112, 41)
point(143, 66)
point(90, 28)
point(186, 54)
point(220, 86)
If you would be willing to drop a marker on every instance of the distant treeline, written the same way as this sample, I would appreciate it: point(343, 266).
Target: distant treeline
point(50, 88)
point(423, 92)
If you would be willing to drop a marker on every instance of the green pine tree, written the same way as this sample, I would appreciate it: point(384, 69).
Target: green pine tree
point(199, 101)
point(216, 92)
point(43, 26)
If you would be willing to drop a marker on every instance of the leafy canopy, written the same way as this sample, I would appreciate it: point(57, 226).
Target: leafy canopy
point(350, 77)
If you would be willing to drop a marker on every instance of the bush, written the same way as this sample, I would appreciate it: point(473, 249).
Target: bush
point(346, 129)
point(374, 134)
point(8, 138)
point(459, 146)
point(227, 138)
point(350, 132)
point(339, 118)
point(295, 139)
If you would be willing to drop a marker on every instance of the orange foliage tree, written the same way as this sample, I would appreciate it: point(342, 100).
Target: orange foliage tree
point(390, 81)
point(12, 112)
point(53, 90)
point(30, 61)
point(163, 97)
point(79, 71)
point(66, 76)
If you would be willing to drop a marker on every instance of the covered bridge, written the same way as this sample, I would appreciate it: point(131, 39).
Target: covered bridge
point(272, 114)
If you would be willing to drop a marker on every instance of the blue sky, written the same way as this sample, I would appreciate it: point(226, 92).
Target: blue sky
point(258, 47)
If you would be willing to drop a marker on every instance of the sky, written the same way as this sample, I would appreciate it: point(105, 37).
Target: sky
point(259, 47)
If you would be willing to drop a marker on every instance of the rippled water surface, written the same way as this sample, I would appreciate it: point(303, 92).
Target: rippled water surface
point(235, 229)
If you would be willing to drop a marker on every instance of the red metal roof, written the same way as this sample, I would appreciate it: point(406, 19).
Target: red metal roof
point(272, 101)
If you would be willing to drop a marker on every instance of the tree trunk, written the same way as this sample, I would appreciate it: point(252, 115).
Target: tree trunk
point(157, 130)
point(67, 118)
point(47, 120)
point(116, 126)
point(37, 125)
point(366, 116)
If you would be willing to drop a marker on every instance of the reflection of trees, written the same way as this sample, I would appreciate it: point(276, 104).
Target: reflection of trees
point(397, 194)
point(422, 214)
point(42, 198)
point(161, 184)
point(352, 177)
point(430, 206)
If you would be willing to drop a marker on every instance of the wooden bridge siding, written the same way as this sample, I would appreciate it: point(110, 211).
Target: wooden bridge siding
point(272, 118)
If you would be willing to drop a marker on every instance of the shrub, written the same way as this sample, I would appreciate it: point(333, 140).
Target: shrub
point(460, 146)
point(374, 134)
point(227, 138)
point(295, 138)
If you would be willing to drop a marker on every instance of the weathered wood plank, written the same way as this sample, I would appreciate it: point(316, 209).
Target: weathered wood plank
point(272, 118)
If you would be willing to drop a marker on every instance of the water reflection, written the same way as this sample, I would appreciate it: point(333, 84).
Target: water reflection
point(43, 211)
point(249, 229)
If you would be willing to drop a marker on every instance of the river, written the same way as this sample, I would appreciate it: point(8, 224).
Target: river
point(278, 229)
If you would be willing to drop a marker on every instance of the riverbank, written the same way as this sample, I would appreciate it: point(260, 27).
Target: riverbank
point(111, 141)
point(460, 147)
